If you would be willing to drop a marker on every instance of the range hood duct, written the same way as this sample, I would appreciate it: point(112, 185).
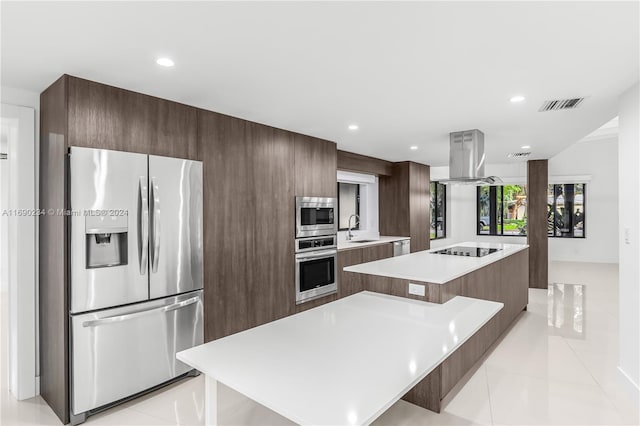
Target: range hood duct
point(466, 159)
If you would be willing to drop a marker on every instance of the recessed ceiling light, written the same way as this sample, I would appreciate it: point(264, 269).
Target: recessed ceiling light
point(353, 127)
point(165, 62)
point(413, 148)
point(526, 147)
point(517, 98)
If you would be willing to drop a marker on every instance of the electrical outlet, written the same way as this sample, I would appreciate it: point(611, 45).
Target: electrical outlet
point(416, 289)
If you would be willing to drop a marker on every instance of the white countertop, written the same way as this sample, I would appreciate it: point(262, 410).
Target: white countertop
point(347, 245)
point(427, 266)
point(345, 362)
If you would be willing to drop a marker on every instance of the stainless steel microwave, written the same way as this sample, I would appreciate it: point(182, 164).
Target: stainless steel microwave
point(316, 216)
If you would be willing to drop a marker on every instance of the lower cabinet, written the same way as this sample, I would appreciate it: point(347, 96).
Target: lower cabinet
point(373, 253)
point(350, 283)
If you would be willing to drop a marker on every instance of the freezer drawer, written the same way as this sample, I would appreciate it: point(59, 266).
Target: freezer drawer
point(119, 352)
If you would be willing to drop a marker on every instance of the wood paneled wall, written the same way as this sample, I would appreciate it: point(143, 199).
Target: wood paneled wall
point(107, 117)
point(537, 231)
point(404, 203)
point(252, 174)
point(352, 162)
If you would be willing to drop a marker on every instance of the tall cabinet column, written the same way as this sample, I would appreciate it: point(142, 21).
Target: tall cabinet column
point(537, 237)
point(404, 203)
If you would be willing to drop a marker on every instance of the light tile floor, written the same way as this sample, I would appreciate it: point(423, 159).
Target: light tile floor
point(556, 366)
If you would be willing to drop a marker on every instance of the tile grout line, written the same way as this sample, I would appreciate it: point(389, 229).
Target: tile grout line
point(146, 413)
point(606, 394)
point(486, 377)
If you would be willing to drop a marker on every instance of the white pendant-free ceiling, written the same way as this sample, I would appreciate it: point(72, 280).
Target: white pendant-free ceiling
point(407, 73)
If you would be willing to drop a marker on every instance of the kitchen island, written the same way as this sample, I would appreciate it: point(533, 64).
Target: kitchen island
point(501, 276)
point(343, 363)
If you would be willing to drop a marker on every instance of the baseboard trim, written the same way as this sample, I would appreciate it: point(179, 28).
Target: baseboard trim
point(632, 387)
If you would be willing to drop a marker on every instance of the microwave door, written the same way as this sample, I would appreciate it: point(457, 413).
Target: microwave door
point(108, 227)
point(175, 226)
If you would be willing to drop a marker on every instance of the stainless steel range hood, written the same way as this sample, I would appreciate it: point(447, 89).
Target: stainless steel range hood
point(466, 160)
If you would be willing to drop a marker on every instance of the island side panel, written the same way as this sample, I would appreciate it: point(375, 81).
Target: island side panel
point(426, 393)
point(506, 281)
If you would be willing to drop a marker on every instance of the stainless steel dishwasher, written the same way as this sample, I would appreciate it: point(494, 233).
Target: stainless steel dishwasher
point(401, 247)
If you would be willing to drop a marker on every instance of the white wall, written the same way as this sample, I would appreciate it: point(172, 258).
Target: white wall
point(599, 160)
point(23, 316)
point(629, 184)
point(4, 220)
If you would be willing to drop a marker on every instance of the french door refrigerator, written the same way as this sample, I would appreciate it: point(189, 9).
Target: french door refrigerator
point(136, 273)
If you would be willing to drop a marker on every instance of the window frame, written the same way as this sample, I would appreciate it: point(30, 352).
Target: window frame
point(584, 212)
point(496, 212)
point(357, 227)
point(435, 197)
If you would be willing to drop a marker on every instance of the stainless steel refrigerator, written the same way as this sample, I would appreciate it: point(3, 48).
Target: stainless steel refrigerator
point(136, 273)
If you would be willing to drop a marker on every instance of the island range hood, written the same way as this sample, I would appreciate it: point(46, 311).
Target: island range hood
point(466, 160)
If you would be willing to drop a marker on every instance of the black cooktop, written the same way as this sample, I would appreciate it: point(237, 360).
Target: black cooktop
point(467, 251)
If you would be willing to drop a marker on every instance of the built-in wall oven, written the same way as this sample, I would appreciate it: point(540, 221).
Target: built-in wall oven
point(316, 267)
point(316, 216)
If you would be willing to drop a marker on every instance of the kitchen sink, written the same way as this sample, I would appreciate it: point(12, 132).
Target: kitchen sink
point(363, 241)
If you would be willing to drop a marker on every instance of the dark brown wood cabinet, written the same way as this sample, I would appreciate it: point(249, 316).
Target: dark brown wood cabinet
point(348, 282)
point(273, 242)
point(537, 226)
point(107, 117)
point(404, 203)
point(316, 163)
point(377, 252)
point(229, 225)
point(249, 240)
point(352, 162)
point(251, 175)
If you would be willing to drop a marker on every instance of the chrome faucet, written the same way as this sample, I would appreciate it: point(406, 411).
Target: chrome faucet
point(349, 233)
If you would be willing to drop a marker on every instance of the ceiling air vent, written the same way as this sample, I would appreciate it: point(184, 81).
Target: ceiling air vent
point(559, 104)
point(517, 155)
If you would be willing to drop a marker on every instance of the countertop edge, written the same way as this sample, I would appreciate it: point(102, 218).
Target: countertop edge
point(462, 272)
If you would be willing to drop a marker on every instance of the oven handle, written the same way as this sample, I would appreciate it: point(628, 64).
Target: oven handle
point(316, 254)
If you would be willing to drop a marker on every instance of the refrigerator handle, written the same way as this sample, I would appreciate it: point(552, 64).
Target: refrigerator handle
point(125, 317)
point(143, 225)
point(155, 224)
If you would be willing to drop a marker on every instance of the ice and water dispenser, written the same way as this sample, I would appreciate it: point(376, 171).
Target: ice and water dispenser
point(106, 239)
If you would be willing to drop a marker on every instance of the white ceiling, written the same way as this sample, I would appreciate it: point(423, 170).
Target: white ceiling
point(407, 73)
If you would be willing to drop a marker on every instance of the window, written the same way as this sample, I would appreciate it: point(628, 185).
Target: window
point(566, 210)
point(502, 210)
point(348, 204)
point(438, 211)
